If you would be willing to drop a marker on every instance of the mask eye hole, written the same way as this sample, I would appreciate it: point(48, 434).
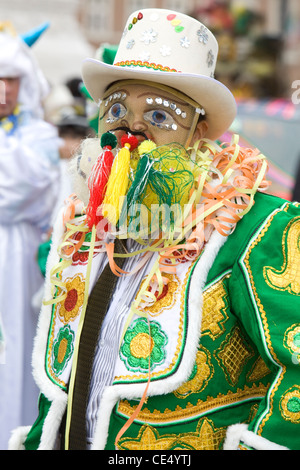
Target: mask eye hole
point(160, 118)
point(116, 111)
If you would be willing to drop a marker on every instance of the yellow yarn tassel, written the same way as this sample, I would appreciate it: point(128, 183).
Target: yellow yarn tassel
point(118, 181)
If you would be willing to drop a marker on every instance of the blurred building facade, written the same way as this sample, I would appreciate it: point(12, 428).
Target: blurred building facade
point(63, 47)
point(259, 39)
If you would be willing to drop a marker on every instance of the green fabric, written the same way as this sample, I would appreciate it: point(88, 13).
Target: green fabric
point(277, 317)
point(109, 54)
point(34, 436)
point(43, 252)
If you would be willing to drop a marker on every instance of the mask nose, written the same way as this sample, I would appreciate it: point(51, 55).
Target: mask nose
point(139, 125)
point(140, 129)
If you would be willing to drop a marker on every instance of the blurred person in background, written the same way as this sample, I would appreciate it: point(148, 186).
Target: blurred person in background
point(29, 178)
point(65, 108)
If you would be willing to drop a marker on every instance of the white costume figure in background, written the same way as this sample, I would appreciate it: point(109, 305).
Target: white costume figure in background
point(29, 171)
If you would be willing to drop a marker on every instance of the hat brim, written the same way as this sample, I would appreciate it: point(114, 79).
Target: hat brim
point(217, 100)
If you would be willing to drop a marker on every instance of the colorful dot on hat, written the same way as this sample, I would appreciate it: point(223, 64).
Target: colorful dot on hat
point(175, 22)
point(135, 20)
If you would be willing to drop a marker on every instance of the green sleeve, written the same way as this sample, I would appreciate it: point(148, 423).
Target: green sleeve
point(42, 256)
point(265, 296)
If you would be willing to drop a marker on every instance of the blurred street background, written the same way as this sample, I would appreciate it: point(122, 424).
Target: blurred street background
point(259, 59)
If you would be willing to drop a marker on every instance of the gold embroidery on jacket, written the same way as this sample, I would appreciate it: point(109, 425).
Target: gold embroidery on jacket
point(290, 405)
point(259, 370)
point(214, 315)
point(189, 410)
point(206, 437)
point(202, 373)
point(166, 299)
point(233, 354)
point(288, 277)
point(292, 342)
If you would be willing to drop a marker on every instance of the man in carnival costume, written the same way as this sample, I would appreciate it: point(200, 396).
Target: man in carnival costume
point(171, 265)
point(29, 172)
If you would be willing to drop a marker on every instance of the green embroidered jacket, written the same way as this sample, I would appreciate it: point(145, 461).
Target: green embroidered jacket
point(245, 356)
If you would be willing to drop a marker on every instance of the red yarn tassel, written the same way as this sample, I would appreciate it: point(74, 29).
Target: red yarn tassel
point(98, 179)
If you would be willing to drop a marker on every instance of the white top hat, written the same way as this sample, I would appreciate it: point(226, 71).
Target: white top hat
point(172, 49)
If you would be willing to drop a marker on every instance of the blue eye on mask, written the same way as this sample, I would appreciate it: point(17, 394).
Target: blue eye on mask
point(161, 119)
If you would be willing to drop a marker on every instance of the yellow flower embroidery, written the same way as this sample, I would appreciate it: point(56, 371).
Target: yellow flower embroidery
point(68, 309)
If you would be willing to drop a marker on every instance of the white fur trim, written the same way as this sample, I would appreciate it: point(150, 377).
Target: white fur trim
point(239, 433)
point(129, 391)
point(48, 388)
point(51, 391)
point(18, 437)
point(52, 424)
